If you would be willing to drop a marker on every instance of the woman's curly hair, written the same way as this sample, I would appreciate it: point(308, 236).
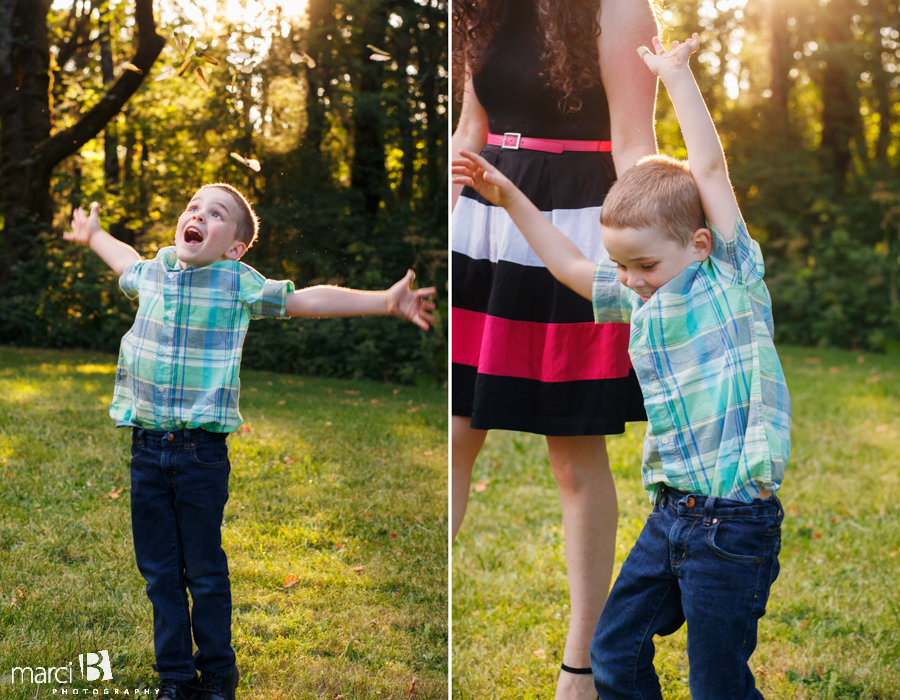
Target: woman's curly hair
point(569, 56)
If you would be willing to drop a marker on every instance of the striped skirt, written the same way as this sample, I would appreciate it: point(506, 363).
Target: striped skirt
point(527, 354)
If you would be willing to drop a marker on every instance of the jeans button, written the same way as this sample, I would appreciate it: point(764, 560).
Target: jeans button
point(170, 437)
point(690, 502)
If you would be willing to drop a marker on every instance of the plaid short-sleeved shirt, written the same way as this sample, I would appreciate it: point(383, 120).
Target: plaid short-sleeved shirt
point(179, 363)
point(719, 414)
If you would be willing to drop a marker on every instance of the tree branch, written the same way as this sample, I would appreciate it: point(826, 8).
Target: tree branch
point(66, 142)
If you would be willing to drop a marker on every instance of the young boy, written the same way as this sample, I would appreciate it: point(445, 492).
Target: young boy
point(687, 277)
point(177, 386)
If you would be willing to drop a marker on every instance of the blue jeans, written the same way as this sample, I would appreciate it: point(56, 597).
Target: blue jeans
point(179, 487)
point(706, 561)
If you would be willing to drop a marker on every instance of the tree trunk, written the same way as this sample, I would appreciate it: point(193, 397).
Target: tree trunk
point(780, 64)
point(28, 153)
point(110, 137)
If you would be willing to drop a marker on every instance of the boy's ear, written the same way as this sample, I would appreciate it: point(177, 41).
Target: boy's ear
point(236, 251)
point(701, 244)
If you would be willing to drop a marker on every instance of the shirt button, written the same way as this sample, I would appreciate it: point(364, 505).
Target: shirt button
point(161, 390)
point(170, 313)
point(665, 441)
point(171, 275)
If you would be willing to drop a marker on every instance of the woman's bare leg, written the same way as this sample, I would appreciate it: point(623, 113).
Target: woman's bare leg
point(590, 517)
point(467, 444)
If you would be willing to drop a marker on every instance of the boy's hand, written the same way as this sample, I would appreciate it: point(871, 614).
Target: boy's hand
point(473, 170)
point(663, 62)
point(84, 227)
point(411, 304)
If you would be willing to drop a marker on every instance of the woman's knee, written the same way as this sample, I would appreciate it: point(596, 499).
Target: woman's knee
point(577, 462)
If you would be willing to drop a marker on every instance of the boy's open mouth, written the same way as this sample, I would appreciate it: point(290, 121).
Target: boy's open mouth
point(192, 235)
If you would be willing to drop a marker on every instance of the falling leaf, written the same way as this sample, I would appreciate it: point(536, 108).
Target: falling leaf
point(414, 409)
point(167, 73)
point(185, 65)
point(241, 55)
point(290, 581)
point(201, 80)
point(539, 654)
point(379, 57)
point(881, 429)
point(296, 58)
point(253, 164)
point(352, 392)
point(381, 52)
point(179, 44)
point(224, 37)
point(130, 66)
point(247, 69)
point(240, 159)
point(206, 57)
point(358, 569)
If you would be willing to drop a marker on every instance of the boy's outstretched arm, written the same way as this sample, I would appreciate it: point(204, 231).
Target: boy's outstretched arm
point(705, 154)
point(399, 300)
point(563, 258)
point(87, 231)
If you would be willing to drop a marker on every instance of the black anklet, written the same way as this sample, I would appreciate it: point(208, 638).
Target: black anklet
point(577, 671)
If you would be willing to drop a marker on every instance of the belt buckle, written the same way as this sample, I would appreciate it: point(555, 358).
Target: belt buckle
point(518, 140)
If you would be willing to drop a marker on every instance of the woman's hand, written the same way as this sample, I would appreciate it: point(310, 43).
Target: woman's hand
point(473, 170)
point(411, 304)
point(663, 62)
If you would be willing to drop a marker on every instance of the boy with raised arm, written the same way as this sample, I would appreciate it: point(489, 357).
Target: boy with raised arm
point(685, 274)
point(177, 387)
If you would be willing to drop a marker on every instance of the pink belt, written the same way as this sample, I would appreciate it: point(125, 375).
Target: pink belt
point(516, 141)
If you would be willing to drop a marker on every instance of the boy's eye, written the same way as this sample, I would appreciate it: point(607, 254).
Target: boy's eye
point(648, 267)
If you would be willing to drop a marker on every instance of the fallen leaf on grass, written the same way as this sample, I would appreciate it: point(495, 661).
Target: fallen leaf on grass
point(804, 624)
point(817, 535)
point(539, 654)
point(358, 569)
point(393, 534)
point(414, 409)
point(115, 493)
point(894, 553)
point(873, 380)
point(245, 428)
point(290, 581)
point(881, 429)
point(813, 360)
point(861, 359)
point(429, 453)
point(481, 486)
point(834, 370)
point(375, 401)
point(352, 392)
point(282, 402)
point(118, 479)
point(396, 391)
point(411, 690)
point(835, 520)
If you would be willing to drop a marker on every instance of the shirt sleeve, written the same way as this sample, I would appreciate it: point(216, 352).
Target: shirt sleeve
point(611, 299)
point(739, 260)
point(130, 279)
point(264, 297)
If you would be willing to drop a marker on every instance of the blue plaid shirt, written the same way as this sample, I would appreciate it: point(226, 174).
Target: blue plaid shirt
point(718, 410)
point(179, 364)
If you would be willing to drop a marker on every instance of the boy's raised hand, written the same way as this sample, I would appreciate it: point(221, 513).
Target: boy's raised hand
point(473, 170)
point(663, 62)
point(83, 226)
point(411, 304)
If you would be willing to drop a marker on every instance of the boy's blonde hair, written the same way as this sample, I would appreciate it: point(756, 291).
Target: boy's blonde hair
point(246, 221)
point(658, 194)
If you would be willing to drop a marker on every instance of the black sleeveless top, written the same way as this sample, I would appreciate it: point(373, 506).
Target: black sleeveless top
point(516, 97)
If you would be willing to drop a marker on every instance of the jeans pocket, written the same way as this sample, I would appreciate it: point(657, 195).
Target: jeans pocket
point(738, 540)
point(210, 453)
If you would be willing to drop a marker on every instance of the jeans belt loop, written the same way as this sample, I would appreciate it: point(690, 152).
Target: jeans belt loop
point(187, 438)
point(708, 509)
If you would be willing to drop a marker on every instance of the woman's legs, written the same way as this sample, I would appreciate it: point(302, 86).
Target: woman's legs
point(590, 516)
point(467, 444)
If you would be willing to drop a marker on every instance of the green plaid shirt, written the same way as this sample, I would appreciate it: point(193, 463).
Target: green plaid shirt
point(179, 364)
point(718, 410)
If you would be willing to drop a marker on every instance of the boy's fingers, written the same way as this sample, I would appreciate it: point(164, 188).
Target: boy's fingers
point(643, 51)
point(426, 292)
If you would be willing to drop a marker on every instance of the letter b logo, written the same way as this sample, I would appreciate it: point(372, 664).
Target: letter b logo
point(95, 663)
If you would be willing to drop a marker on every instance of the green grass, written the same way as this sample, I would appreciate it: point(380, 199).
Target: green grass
point(327, 477)
point(833, 624)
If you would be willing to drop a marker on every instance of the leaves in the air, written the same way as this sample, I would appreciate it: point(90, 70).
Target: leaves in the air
point(206, 57)
point(247, 69)
point(185, 65)
point(128, 65)
point(303, 57)
point(202, 80)
point(380, 52)
point(240, 55)
point(251, 163)
point(167, 73)
point(379, 57)
point(290, 581)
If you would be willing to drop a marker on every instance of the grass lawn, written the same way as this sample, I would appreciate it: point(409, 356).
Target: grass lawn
point(833, 624)
point(335, 533)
